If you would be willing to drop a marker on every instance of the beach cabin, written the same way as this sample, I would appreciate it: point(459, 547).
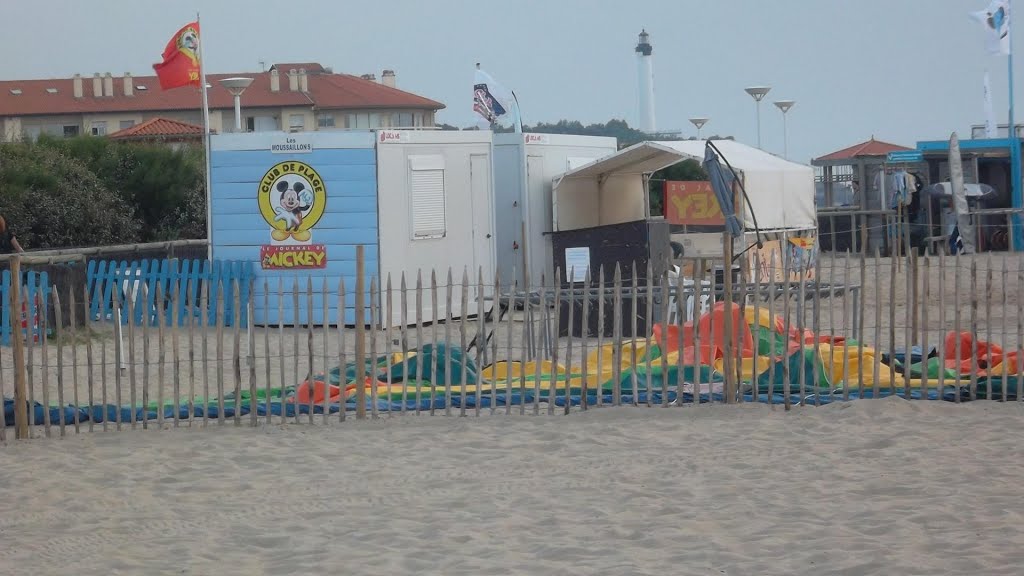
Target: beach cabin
point(296, 205)
point(524, 167)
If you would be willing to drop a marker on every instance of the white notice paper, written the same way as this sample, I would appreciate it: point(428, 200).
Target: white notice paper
point(578, 261)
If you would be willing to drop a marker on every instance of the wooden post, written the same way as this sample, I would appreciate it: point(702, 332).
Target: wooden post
point(698, 283)
point(974, 328)
point(21, 429)
point(342, 353)
point(957, 314)
point(876, 364)
point(553, 376)
point(727, 248)
point(404, 297)
point(360, 321)
point(59, 329)
point(509, 331)
point(772, 288)
point(756, 278)
point(310, 375)
point(617, 337)
point(374, 331)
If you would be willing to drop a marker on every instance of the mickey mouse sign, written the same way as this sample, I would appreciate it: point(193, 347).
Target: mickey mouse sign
point(292, 198)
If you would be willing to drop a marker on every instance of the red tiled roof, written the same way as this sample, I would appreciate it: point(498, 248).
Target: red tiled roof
point(870, 148)
point(326, 91)
point(159, 128)
point(310, 67)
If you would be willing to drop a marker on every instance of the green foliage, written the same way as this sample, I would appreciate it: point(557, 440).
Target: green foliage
point(89, 191)
point(51, 200)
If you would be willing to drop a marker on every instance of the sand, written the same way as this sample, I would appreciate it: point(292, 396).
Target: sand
point(869, 487)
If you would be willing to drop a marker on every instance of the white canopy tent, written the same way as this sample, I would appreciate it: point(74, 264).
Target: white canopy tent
point(781, 192)
point(611, 190)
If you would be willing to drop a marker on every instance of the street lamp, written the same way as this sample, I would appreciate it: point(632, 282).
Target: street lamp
point(699, 123)
point(236, 86)
point(784, 105)
point(758, 93)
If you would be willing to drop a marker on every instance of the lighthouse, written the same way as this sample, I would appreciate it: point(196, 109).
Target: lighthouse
point(645, 82)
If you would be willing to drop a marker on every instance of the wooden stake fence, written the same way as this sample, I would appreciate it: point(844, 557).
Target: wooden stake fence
point(163, 372)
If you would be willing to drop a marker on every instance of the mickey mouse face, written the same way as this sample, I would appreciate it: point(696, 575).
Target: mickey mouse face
point(290, 195)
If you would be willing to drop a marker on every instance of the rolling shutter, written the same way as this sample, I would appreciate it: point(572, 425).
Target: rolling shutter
point(426, 178)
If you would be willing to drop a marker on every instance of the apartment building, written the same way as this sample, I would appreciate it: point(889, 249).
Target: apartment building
point(293, 97)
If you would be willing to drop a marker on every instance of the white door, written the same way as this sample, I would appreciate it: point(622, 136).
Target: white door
point(538, 221)
point(483, 233)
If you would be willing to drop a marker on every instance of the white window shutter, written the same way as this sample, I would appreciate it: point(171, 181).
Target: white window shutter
point(426, 177)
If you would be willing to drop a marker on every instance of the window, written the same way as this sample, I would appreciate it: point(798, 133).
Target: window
point(427, 202)
point(69, 131)
point(99, 128)
point(401, 120)
point(417, 119)
point(126, 124)
point(325, 120)
point(296, 123)
point(358, 121)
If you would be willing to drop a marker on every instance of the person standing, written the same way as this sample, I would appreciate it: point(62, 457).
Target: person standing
point(8, 242)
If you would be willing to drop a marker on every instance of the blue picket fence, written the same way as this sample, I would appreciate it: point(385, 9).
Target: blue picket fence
point(36, 291)
point(141, 279)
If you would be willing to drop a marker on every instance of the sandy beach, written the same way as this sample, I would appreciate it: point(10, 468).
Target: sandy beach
point(868, 487)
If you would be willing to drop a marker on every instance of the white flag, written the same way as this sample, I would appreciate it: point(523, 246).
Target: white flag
point(990, 119)
point(996, 20)
point(493, 101)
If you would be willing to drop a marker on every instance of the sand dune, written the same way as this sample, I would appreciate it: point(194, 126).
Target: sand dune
point(869, 487)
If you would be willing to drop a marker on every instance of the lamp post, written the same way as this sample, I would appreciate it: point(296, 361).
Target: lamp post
point(784, 105)
point(699, 123)
point(758, 93)
point(236, 86)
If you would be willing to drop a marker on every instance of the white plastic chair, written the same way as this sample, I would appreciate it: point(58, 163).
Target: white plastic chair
point(131, 288)
point(706, 298)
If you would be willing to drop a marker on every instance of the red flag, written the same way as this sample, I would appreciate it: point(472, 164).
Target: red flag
point(181, 59)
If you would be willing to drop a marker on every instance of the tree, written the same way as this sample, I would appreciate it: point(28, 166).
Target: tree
point(157, 184)
point(51, 200)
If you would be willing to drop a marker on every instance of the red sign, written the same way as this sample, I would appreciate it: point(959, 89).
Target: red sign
point(692, 203)
point(300, 257)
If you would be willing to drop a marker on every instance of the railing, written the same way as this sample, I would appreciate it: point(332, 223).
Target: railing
point(942, 327)
point(172, 288)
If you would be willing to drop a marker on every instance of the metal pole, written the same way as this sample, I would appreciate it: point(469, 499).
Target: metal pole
point(758, 124)
point(785, 138)
point(206, 142)
point(1016, 233)
point(238, 112)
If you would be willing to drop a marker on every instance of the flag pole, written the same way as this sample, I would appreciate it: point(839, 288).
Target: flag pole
point(519, 113)
point(1015, 175)
point(206, 141)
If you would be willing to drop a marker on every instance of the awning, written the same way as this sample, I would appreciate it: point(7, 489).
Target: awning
point(609, 190)
point(642, 158)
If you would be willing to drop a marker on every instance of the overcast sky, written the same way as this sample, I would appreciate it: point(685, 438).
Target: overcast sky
point(902, 70)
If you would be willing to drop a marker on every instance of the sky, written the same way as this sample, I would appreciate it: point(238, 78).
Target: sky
point(898, 70)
